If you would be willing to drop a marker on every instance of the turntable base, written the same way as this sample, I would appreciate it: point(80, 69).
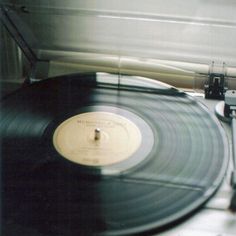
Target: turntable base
point(102, 173)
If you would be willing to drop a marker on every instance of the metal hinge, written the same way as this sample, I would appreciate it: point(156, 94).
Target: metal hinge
point(215, 87)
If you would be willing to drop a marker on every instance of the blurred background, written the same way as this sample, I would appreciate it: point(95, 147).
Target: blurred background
point(178, 42)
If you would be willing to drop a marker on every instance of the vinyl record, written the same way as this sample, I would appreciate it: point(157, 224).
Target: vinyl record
point(82, 158)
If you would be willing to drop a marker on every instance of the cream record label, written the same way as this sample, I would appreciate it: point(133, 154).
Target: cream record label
point(97, 138)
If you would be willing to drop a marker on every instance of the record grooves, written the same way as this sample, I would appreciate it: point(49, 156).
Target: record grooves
point(175, 165)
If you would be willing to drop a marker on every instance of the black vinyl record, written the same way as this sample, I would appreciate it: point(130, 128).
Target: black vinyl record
point(178, 164)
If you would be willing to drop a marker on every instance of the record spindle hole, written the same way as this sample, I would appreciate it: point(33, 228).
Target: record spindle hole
point(97, 134)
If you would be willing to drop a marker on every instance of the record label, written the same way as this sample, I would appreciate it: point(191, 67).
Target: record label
point(97, 138)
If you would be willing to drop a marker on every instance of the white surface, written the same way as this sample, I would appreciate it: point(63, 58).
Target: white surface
point(230, 97)
point(193, 31)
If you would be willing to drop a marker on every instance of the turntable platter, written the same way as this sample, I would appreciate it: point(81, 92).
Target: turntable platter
point(164, 157)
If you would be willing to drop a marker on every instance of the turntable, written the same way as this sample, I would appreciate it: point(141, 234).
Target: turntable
point(122, 121)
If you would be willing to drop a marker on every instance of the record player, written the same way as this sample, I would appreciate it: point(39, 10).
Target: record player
point(118, 118)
